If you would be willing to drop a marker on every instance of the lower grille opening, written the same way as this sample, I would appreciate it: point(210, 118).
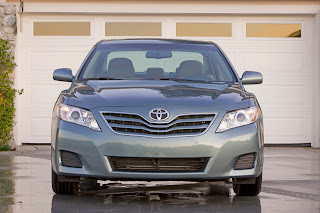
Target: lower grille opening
point(245, 161)
point(70, 159)
point(131, 164)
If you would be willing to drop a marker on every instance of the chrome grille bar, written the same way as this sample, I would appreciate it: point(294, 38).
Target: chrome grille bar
point(135, 124)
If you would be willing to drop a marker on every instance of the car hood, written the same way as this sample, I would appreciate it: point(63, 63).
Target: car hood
point(112, 93)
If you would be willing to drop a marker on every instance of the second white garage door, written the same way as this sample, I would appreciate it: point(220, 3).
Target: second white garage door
point(278, 47)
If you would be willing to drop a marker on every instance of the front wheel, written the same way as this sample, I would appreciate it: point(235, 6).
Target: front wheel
point(63, 187)
point(248, 189)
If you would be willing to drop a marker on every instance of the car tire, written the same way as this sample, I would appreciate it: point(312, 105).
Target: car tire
point(248, 189)
point(63, 187)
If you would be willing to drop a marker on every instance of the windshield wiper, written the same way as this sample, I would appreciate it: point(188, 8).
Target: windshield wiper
point(179, 79)
point(102, 79)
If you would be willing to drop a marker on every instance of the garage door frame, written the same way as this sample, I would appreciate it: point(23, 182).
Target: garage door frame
point(250, 10)
point(316, 105)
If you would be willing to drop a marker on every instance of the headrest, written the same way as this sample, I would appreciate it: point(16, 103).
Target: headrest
point(155, 73)
point(120, 68)
point(189, 68)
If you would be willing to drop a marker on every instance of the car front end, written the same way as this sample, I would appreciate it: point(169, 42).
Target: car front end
point(154, 130)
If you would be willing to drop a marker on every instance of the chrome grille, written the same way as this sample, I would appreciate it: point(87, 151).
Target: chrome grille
point(245, 161)
point(70, 159)
point(158, 164)
point(137, 125)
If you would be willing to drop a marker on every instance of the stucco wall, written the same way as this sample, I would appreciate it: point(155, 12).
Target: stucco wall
point(8, 27)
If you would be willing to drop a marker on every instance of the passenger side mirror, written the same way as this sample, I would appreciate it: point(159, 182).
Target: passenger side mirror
point(250, 77)
point(63, 74)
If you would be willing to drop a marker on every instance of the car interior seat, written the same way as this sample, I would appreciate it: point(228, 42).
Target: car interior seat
point(189, 68)
point(155, 73)
point(120, 68)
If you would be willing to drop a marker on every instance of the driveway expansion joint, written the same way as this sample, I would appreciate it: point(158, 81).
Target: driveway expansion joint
point(290, 193)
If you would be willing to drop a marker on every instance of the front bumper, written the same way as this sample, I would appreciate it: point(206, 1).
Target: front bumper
point(94, 148)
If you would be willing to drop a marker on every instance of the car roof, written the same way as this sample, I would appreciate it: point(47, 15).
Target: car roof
point(156, 41)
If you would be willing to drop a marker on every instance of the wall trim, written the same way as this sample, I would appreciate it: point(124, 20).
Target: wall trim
point(316, 83)
point(17, 82)
point(174, 8)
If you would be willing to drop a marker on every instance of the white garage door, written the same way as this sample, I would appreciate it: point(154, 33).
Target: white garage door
point(279, 47)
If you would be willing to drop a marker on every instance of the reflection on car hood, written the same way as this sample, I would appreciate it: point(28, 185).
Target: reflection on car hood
point(95, 93)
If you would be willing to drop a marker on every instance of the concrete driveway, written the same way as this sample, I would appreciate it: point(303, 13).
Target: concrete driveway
point(291, 183)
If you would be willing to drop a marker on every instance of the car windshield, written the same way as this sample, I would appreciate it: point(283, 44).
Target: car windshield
point(185, 62)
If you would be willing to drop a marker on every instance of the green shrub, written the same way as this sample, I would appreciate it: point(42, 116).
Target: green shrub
point(7, 95)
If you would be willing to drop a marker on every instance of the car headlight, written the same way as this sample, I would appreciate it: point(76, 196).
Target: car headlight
point(78, 116)
point(238, 118)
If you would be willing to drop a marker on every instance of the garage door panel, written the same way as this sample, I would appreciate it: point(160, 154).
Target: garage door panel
point(45, 94)
point(285, 81)
point(45, 77)
point(285, 112)
point(294, 127)
point(40, 93)
point(48, 80)
point(280, 95)
point(43, 110)
point(286, 78)
point(37, 125)
point(40, 127)
point(52, 60)
point(273, 61)
point(286, 130)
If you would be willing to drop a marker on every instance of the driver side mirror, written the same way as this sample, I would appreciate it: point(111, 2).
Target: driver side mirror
point(250, 77)
point(63, 74)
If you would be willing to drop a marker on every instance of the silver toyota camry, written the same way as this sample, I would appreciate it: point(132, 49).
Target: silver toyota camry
point(156, 110)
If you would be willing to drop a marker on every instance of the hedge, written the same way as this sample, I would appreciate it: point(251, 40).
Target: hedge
point(7, 95)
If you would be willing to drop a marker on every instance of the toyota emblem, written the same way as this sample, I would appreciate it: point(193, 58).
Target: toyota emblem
point(159, 114)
